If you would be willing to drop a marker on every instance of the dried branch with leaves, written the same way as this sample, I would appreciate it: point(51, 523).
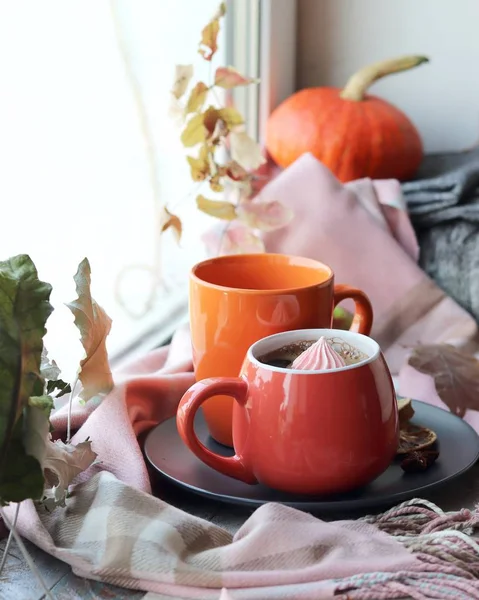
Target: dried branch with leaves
point(226, 157)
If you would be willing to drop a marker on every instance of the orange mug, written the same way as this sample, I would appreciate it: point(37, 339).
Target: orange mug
point(237, 300)
point(303, 432)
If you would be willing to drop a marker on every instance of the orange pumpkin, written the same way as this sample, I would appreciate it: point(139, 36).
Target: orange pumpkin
point(355, 135)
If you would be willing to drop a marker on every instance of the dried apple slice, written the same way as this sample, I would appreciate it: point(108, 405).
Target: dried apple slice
point(406, 411)
point(414, 438)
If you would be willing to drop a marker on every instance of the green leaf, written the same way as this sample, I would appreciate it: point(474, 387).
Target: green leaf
point(94, 326)
point(37, 427)
point(194, 132)
point(24, 309)
point(197, 97)
point(21, 476)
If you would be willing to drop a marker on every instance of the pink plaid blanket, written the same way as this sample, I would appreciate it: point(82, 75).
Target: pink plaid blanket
point(115, 531)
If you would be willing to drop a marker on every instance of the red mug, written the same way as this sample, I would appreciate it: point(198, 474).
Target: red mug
point(304, 432)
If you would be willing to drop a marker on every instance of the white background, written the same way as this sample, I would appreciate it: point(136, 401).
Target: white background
point(74, 178)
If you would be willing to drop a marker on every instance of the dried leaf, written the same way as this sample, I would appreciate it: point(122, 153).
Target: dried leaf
point(455, 374)
point(48, 369)
point(235, 171)
point(58, 384)
point(176, 111)
point(62, 463)
point(216, 208)
point(228, 78)
point(215, 184)
point(266, 216)
point(94, 325)
point(210, 117)
point(221, 10)
point(215, 126)
point(245, 151)
point(230, 116)
point(172, 222)
point(240, 239)
point(209, 36)
point(51, 373)
point(195, 131)
point(219, 133)
point(183, 74)
point(200, 167)
point(197, 97)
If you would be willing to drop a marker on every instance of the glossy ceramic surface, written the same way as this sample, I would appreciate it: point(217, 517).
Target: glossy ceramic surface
point(237, 300)
point(457, 441)
point(304, 432)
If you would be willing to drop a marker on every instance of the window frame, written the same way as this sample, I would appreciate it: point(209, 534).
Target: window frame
point(260, 42)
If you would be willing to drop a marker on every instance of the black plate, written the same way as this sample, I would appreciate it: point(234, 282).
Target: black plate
point(458, 444)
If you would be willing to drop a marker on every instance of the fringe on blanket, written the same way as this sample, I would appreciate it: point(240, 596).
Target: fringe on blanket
point(449, 557)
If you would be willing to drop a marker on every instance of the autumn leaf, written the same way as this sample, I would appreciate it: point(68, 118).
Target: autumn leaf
point(215, 126)
point(195, 131)
point(200, 167)
point(210, 117)
point(245, 151)
point(240, 239)
point(183, 74)
point(62, 463)
point(94, 325)
point(235, 171)
point(51, 373)
point(455, 374)
point(215, 184)
point(197, 97)
point(228, 78)
point(176, 112)
point(266, 216)
point(230, 116)
point(221, 11)
point(48, 368)
point(216, 208)
point(209, 35)
point(172, 222)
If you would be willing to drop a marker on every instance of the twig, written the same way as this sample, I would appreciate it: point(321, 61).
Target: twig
point(69, 415)
point(26, 555)
point(9, 540)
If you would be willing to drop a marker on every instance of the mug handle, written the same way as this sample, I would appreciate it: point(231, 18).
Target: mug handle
point(198, 393)
point(363, 313)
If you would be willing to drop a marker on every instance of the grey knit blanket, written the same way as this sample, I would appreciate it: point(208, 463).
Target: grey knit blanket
point(444, 211)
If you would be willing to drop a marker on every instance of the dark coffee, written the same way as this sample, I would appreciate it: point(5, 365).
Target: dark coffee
point(284, 356)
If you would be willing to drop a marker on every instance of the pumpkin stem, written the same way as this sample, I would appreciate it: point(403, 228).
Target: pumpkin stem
point(356, 87)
